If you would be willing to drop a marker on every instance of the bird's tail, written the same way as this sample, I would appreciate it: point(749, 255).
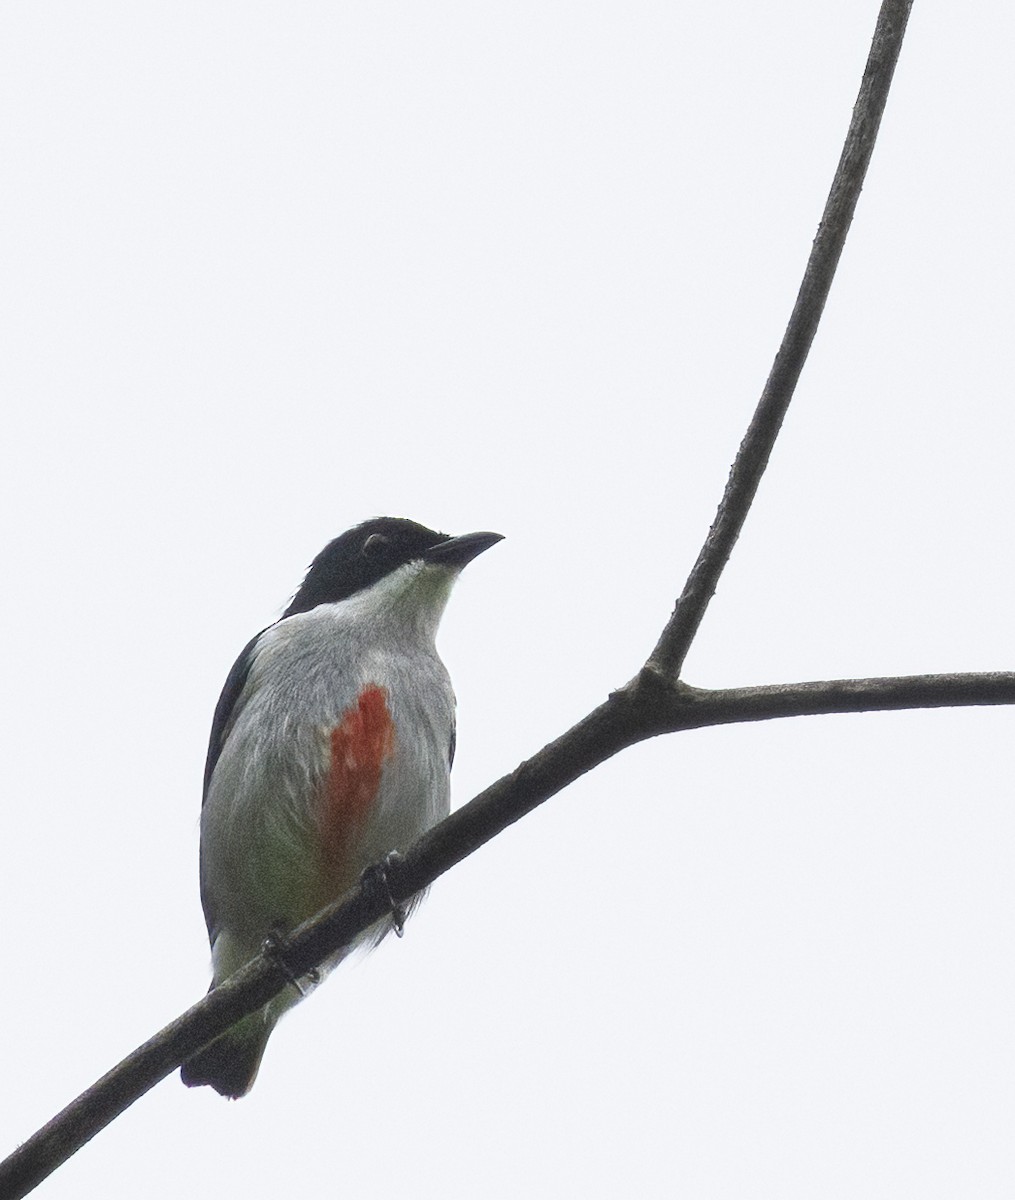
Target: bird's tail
point(230, 1063)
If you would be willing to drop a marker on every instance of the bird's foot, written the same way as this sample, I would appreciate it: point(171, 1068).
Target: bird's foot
point(273, 947)
point(375, 877)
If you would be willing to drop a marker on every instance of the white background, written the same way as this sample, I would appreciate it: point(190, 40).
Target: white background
point(268, 269)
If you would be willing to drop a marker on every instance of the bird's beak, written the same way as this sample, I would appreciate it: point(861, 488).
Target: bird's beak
point(458, 551)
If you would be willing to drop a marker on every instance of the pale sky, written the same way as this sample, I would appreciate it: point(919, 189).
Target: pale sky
point(270, 269)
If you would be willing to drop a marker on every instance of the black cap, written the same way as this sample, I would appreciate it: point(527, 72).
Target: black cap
point(366, 553)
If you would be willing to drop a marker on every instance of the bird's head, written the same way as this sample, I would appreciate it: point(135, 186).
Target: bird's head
point(400, 560)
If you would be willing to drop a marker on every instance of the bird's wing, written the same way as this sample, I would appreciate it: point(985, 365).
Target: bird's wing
point(221, 723)
point(226, 707)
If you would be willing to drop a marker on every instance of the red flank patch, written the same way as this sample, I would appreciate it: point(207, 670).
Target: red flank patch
point(360, 743)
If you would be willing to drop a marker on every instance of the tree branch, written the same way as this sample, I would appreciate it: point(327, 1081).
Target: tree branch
point(652, 704)
point(752, 458)
point(647, 707)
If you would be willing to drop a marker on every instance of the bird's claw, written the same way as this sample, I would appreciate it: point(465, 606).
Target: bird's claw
point(273, 947)
point(375, 877)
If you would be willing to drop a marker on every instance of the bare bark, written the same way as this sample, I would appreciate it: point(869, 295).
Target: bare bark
point(646, 707)
point(653, 703)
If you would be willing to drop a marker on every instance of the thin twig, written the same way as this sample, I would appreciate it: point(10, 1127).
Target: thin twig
point(668, 656)
point(651, 704)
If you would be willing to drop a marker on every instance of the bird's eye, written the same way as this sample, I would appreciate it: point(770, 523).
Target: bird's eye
point(375, 545)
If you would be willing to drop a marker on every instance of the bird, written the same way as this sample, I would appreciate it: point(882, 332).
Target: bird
point(331, 747)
